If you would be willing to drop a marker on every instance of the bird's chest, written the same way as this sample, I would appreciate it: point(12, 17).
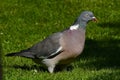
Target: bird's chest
point(73, 41)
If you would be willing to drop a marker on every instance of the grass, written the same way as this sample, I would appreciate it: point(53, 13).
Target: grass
point(25, 22)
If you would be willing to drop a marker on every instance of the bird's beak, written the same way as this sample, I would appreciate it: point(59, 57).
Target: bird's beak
point(94, 19)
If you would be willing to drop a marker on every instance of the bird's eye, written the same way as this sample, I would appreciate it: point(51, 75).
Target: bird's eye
point(87, 15)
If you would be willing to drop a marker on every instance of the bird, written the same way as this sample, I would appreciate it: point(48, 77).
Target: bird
point(60, 48)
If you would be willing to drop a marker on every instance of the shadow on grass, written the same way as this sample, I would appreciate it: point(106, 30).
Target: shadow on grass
point(27, 67)
point(38, 68)
point(101, 54)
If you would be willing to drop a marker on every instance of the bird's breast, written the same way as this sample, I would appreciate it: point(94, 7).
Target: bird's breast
point(73, 41)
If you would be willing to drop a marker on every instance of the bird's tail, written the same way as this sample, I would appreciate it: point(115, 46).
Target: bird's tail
point(22, 54)
point(12, 54)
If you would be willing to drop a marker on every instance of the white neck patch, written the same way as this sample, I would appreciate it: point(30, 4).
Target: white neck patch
point(74, 27)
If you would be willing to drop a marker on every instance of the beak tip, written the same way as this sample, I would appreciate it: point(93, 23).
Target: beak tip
point(94, 19)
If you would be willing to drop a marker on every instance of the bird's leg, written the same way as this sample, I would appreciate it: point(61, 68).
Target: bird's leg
point(51, 69)
point(50, 64)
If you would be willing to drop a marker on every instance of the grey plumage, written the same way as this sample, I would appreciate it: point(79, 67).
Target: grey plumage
point(42, 49)
point(62, 47)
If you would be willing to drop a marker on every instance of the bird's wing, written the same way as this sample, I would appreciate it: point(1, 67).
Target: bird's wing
point(49, 47)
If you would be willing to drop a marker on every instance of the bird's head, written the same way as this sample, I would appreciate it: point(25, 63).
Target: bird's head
point(83, 19)
point(87, 16)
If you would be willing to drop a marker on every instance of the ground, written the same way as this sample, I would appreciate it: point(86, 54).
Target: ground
point(25, 22)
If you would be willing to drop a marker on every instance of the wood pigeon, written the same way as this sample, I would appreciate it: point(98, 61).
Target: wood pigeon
point(61, 48)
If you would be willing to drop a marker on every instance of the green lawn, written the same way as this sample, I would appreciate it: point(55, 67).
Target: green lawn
point(25, 22)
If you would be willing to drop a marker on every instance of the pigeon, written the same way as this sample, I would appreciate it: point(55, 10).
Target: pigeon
point(61, 48)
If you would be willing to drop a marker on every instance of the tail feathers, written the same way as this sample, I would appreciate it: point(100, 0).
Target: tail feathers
point(12, 54)
point(22, 54)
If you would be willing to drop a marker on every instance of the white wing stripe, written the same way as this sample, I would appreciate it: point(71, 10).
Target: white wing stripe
point(58, 50)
